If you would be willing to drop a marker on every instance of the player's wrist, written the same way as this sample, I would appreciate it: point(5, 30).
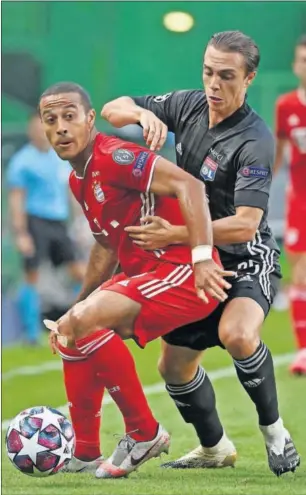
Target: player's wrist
point(201, 253)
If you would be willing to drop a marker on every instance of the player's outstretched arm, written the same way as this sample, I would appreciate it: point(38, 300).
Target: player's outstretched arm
point(101, 266)
point(124, 111)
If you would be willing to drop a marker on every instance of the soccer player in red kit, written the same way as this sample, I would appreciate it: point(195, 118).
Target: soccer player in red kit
point(291, 128)
point(117, 184)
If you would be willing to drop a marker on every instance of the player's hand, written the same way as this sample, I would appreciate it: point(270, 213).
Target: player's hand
point(156, 234)
point(53, 335)
point(209, 280)
point(154, 130)
point(25, 244)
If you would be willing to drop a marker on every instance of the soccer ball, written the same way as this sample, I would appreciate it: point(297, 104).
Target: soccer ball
point(40, 441)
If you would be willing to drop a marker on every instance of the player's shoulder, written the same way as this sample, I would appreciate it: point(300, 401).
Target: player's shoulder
point(191, 97)
point(107, 145)
point(190, 104)
point(257, 128)
point(257, 138)
point(287, 99)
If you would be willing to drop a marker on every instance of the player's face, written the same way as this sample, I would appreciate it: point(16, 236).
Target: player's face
point(66, 123)
point(225, 80)
point(299, 65)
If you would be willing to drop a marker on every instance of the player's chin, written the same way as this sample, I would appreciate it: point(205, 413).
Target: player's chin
point(66, 153)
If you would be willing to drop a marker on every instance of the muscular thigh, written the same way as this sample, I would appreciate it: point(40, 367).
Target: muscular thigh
point(256, 282)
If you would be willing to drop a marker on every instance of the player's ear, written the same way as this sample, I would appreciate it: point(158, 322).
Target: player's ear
point(91, 117)
point(249, 79)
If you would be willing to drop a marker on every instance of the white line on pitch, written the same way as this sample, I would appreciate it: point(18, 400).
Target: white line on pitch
point(157, 388)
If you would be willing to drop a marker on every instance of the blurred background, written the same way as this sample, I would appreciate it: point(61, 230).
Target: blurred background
point(116, 48)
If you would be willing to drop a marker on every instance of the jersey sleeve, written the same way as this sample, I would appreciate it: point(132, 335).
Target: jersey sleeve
point(167, 107)
point(16, 176)
point(254, 173)
point(280, 119)
point(130, 167)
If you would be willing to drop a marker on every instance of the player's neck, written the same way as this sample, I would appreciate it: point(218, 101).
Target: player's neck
point(215, 117)
point(80, 163)
point(302, 94)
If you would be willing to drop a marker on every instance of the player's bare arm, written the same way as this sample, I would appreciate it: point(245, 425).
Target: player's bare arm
point(281, 144)
point(159, 233)
point(169, 180)
point(101, 266)
point(124, 111)
point(24, 240)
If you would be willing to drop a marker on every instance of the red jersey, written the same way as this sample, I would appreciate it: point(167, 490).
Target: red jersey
point(114, 193)
point(291, 125)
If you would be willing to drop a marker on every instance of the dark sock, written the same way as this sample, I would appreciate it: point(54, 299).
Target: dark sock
point(256, 375)
point(196, 403)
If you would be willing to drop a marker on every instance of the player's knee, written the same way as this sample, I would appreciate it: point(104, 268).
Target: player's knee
point(64, 327)
point(241, 342)
point(174, 371)
point(77, 319)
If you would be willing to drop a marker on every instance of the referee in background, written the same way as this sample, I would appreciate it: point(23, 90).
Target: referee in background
point(39, 205)
point(223, 142)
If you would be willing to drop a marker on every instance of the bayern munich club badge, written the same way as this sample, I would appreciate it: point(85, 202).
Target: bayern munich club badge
point(98, 192)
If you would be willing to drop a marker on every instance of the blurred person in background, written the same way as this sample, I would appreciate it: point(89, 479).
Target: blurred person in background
point(39, 209)
point(291, 129)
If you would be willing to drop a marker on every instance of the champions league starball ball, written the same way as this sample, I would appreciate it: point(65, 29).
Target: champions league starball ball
point(40, 441)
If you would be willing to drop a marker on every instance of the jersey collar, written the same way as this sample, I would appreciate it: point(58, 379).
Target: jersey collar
point(85, 168)
point(230, 121)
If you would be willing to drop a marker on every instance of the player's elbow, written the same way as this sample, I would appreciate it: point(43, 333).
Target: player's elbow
point(248, 231)
point(188, 188)
point(108, 112)
point(112, 111)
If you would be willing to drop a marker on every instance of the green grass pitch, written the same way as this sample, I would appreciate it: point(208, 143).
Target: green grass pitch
point(251, 475)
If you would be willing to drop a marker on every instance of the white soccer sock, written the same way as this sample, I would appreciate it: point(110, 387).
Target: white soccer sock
point(223, 444)
point(275, 436)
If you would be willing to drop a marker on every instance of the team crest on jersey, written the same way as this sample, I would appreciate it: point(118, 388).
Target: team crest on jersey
point(123, 157)
point(293, 120)
point(209, 169)
point(98, 192)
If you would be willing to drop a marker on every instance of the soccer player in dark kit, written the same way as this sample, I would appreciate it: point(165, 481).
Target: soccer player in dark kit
point(223, 142)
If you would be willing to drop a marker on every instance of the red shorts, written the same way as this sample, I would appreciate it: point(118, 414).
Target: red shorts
point(295, 233)
point(168, 299)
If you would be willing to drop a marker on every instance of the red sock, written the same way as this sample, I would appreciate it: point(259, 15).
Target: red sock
point(298, 314)
point(116, 368)
point(84, 392)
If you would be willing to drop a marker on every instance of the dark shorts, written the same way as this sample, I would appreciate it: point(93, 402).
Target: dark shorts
point(257, 282)
point(52, 242)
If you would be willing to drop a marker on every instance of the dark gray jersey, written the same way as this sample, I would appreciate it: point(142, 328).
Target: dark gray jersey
point(234, 159)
